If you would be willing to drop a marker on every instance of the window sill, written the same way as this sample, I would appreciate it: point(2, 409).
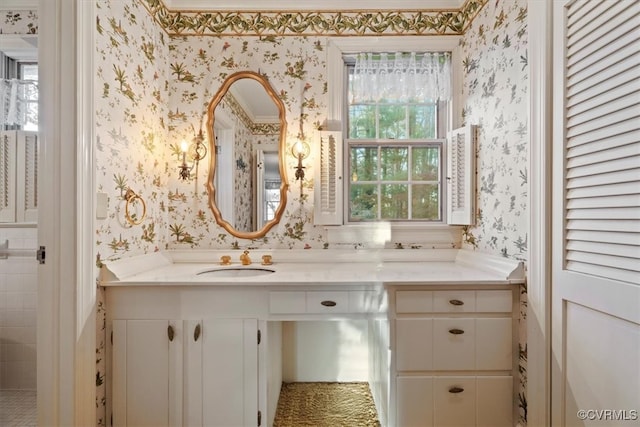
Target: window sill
point(389, 235)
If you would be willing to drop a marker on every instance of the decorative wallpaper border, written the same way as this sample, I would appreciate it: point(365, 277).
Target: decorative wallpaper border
point(312, 23)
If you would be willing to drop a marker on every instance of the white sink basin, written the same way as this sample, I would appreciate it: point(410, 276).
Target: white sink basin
point(237, 272)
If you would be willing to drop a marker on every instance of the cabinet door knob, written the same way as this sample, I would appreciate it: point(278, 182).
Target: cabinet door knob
point(170, 333)
point(197, 331)
point(456, 390)
point(328, 303)
point(456, 302)
point(456, 331)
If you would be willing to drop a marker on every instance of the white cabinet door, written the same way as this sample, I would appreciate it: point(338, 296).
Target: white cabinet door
point(229, 372)
point(146, 373)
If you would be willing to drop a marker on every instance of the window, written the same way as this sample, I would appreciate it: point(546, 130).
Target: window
point(395, 155)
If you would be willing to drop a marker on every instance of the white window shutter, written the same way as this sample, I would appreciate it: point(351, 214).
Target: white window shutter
point(7, 176)
point(328, 179)
point(27, 173)
point(602, 116)
point(461, 175)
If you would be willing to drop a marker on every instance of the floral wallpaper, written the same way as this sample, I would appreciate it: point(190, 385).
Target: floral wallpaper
point(19, 22)
point(496, 80)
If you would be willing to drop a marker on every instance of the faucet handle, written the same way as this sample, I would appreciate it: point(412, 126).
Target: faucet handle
point(266, 260)
point(225, 260)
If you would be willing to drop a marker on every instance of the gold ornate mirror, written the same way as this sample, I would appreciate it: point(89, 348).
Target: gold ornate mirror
point(247, 182)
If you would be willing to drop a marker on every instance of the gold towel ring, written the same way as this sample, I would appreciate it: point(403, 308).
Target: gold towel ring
point(130, 196)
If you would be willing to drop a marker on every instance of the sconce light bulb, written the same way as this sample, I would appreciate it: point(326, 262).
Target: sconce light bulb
point(184, 146)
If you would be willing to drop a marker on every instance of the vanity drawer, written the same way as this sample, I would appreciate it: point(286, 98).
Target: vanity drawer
point(288, 302)
point(327, 302)
point(458, 301)
point(451, 344)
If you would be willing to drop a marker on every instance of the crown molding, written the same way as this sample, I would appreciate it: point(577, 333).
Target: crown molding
point(423, 22)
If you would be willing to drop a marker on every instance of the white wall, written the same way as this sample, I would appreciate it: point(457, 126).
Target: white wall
point(18, 305)
point(325, 351)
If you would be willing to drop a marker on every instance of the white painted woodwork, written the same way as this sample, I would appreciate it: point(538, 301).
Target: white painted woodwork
point(454, 409)
point(229, 372)
point(461, 176)
point(327, 207)
point(596, 209)
point(438, 345)
point(315, 302)
point(192, 389)
point(453, 351)
point(414, 301)
point(493, 346)
point(287, 302)
point(494, 301)
point(19, 152)
point(494, 401)
point(414, 344)
point(423, 401)
point(415, 398)
point(445, 301)
point(379, 362)
point(141, 372)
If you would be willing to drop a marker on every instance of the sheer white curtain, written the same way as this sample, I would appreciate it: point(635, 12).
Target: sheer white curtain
point(18, 102)
point(402, 77)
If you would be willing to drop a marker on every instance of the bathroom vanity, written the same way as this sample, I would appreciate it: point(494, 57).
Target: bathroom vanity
point(197, 343)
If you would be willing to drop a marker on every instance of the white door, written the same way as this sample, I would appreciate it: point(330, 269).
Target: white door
point(596, 214)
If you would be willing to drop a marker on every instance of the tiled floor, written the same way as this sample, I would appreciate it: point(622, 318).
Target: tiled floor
point(18, 408)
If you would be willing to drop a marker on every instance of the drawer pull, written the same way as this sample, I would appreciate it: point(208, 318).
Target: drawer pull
point(456, 390)
point(456, 331)
point(328, 303)
point(196, 332)
point(170, 333)
point(456, 302)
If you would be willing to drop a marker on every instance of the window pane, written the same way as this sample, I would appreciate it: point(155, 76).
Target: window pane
point(362, 121)
point(425, 161)
point(392, 121)
point(422, 121)
point(425, 203)
point(394, 163)
point(364, 164)
point(394, 201)
point(364, 202)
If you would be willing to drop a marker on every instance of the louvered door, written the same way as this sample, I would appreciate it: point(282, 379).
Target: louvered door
point(328, 179)
point(596, 211)
point(461, 172)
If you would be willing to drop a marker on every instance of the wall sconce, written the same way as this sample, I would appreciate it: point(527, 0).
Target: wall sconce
point(300, 151)
point(196, 152)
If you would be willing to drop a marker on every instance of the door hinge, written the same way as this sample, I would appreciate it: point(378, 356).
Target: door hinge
point(259, 418)
point(41, 254)
point(259, 337)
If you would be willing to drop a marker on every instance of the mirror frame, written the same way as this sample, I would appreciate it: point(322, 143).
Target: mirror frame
point(281, 154)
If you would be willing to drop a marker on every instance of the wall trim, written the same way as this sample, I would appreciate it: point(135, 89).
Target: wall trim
point(539, 255)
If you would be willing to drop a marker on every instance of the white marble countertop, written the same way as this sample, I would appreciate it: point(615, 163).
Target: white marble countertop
point(358, 267)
